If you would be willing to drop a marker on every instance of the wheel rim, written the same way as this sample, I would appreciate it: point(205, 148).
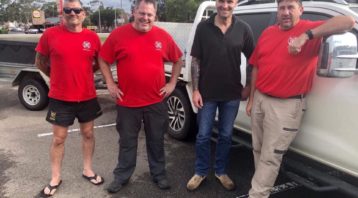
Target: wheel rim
point(31, 95)
point(176, 113)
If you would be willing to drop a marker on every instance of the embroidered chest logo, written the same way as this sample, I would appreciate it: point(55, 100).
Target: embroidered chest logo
point(158, 45)
point(86, 45)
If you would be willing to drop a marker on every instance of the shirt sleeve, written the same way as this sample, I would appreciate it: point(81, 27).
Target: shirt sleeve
point(107, 52)
point(254, 55)
point(249, 44)
point(43, 45)
point(174, 52)
point(97, 41)
point(196, 47)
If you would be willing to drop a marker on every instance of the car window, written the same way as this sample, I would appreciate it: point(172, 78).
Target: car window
point(257, 21)
point(314, 16)
point(355, 9)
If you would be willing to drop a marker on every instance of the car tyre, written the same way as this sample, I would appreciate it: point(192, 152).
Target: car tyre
point(181, 115)
point(33, 94)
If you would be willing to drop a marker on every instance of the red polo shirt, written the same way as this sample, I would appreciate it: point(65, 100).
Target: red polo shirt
point(71, 55)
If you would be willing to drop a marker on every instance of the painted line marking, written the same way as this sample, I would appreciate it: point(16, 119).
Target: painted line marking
point(77, 130)
point(278, 188)
point(102, 92)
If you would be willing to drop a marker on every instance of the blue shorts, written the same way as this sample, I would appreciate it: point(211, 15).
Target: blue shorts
point(63, 113)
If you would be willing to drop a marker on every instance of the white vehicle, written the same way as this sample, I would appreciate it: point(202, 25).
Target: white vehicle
point(324, 155)
point(32, 31)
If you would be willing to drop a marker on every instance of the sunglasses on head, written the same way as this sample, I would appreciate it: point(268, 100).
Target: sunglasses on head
point(75, 10)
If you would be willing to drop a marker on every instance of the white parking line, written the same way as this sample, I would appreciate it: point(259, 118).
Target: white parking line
point(102, 92)
point(278, 188)
point(76, 130)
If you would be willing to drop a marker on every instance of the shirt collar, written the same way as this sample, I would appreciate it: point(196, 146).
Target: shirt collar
point(211, 20)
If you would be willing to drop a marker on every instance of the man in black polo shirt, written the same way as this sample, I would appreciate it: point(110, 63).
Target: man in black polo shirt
point(216, 79)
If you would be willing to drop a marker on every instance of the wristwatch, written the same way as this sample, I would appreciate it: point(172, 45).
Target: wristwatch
point(309, 34)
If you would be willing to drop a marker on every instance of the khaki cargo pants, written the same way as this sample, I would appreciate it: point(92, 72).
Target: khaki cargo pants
point(275, 123)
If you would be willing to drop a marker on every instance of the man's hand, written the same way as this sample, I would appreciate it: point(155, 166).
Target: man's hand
point(198, 101)
point(249, 107)
point(245, 92)
point(167, 89)
point(114, 91)
point(295, 43)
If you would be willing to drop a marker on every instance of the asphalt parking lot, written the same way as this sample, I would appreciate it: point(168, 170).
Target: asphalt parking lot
point(25, 139)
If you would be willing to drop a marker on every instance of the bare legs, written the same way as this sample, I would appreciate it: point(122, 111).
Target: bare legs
point(58, 149)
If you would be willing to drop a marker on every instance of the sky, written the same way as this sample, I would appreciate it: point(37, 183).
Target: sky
point(126, 4)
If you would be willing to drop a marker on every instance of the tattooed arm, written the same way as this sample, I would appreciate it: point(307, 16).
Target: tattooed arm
point(195, 68)
point(195, 74)
point(43, 63)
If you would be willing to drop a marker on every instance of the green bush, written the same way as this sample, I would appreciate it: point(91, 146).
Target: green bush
point(3, 31)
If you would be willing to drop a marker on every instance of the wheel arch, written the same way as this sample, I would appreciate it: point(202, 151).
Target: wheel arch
point(30, 73)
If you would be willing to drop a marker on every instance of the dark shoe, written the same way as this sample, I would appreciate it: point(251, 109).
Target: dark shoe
point(162, 184)
point(114, 186)
point(51, 190)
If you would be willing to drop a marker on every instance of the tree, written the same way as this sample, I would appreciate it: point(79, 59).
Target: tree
point(181, 10)
point(176, 10)
point(3, 6)
point(50, 9)
point(25, 10)
point(18, 10)
point(107, 16)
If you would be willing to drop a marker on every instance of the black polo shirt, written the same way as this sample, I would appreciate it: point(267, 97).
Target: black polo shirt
point(220, 58)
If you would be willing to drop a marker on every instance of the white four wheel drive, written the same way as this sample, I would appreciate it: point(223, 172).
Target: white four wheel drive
point(324, 155)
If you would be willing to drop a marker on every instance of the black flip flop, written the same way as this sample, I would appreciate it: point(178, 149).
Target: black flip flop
point(51, 188)
point(94, 177)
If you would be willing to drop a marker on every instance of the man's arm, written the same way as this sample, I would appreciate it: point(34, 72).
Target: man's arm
point(195, 69)
point(170, 86)
point(112, 87)
point(249, 46)
point(337, 24)
point(43, 63)
point(195, 74)
point(95, 64)
point(252, 91)
point(246, 91)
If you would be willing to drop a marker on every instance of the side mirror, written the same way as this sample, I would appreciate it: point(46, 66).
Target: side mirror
point(338, 56)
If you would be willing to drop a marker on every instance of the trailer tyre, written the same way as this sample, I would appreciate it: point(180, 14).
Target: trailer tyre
point(181, 117)
point(33, 94)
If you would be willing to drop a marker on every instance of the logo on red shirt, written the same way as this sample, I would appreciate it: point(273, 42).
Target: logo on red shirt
point(158, 45)
point(86, 45)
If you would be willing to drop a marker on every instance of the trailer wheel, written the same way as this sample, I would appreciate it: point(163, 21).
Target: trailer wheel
point(33, 94)
point(181, 117)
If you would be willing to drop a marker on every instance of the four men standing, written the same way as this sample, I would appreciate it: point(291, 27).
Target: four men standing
point(277, 96)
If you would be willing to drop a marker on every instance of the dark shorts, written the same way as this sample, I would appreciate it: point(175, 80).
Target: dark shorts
point(64, 113)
